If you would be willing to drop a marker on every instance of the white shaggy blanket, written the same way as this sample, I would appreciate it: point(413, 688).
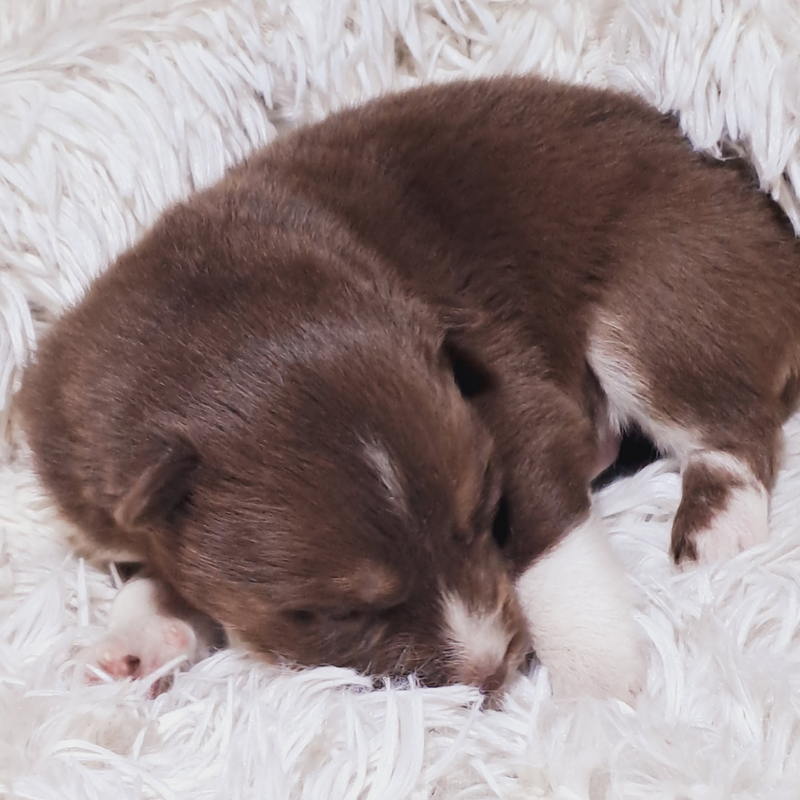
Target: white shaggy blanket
point(109, 110)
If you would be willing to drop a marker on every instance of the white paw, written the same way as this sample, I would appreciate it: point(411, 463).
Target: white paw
point(743, 523)
point(580, 609)
point(141, 638)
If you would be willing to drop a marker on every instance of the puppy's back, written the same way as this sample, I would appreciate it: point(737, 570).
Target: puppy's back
point(529, 200)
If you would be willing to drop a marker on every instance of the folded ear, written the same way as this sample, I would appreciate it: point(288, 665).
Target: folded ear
point(159, 492)
point(458, 327)
point(472, 376)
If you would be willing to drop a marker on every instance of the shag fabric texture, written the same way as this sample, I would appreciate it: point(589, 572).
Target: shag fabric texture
point(112, 109)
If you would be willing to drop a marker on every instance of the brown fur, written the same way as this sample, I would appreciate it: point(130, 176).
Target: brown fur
point(207, 407)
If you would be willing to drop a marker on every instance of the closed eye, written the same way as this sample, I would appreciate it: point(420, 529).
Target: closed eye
point(300, 616)
point(305, 616)
point(345, 615)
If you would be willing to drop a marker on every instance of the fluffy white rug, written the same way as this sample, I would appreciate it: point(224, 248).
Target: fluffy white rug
point(110, 109)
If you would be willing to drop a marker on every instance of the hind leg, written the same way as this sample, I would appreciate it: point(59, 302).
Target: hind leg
point(724, 427)
point(724, 508)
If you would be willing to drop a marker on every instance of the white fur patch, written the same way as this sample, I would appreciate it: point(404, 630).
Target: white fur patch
point(579, 606)
point(381, 462)
point(744, 522)
point(627, 392)
point(479, 638)
point(724, 462)
point(624, 389)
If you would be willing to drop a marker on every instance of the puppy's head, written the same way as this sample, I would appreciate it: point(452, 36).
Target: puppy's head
point(344, 511)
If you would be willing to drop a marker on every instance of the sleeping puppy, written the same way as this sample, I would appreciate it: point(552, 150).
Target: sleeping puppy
point(349, 401)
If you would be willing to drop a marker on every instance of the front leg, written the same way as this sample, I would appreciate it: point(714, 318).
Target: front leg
point(579, 605)
point(148, 627)
point(578, 601)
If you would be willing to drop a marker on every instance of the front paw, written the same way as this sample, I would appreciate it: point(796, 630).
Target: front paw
point(580, 609)
point(141, 638)
point(613, 665)
point(143, 648)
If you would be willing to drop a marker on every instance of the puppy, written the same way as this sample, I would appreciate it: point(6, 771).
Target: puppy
point(349, 401)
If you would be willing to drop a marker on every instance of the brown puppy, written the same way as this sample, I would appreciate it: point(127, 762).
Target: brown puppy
point(310, 394)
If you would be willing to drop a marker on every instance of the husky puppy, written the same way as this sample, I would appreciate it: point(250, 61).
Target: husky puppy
point(349, 401)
